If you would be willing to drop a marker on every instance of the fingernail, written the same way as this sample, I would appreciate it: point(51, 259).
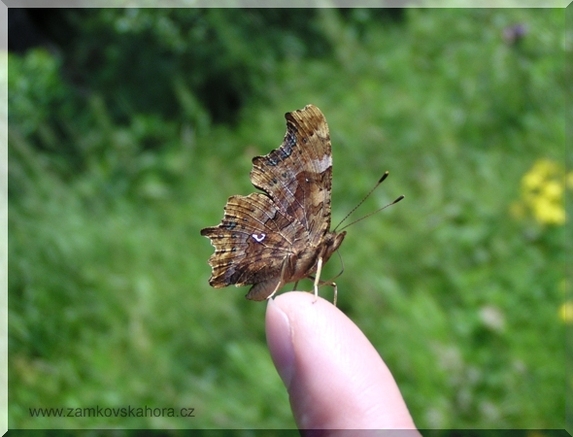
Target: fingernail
point(279, 341)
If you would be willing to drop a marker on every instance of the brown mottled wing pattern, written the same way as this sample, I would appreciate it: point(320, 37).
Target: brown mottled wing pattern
point(259, 232)
point(251, 242)
point(298, 175)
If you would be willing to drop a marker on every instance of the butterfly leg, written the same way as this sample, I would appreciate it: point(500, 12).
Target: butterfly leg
point(317, 277)
point(334, 286)
point(280, 283)
point(331, 283)
point(335, 291)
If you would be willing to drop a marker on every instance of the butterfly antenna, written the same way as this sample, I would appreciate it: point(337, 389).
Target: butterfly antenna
point(384, 176)
point(373, 212)
point(341, 265)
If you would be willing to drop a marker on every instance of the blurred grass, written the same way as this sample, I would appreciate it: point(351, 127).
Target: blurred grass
point(109, 300)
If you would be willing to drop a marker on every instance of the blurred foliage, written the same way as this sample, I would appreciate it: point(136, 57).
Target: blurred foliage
point(133, 56)
point(140, 75)
point(129, 138)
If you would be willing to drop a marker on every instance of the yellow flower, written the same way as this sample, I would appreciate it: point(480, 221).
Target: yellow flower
point(553, 190)
point(566, 312)
point(548, 214)
point(543, 192)
point(532, 180)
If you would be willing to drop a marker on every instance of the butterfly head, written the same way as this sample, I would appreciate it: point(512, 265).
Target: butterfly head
point(332, 241)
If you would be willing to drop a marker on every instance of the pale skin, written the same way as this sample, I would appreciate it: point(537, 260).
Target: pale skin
point(335, 378)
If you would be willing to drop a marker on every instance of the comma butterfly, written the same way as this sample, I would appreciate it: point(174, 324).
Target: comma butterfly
point(283, 234)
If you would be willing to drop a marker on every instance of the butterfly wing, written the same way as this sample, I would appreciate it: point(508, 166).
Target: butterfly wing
point(298, 174)
point(251, 243)
point(271, 238)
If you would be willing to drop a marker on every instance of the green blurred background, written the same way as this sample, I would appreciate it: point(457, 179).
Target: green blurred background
point(129, 129)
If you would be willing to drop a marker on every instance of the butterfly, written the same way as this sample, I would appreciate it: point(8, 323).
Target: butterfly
point(281, 234)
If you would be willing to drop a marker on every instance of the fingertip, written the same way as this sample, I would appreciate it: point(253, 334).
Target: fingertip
point(279, 341)
point(329, 367)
